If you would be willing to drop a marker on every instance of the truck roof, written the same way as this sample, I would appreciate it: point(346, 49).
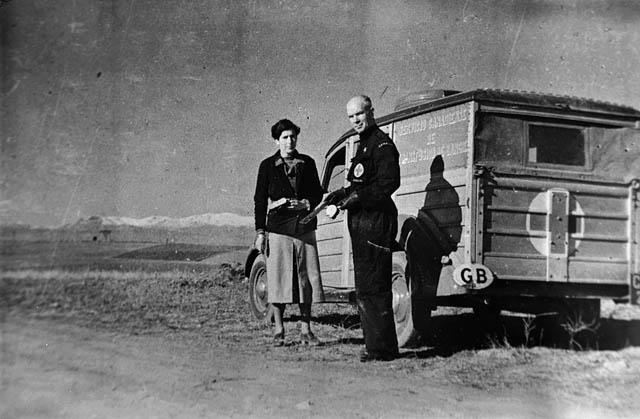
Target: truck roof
point(510, 99)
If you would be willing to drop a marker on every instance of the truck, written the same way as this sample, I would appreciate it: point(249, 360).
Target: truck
point(509, 200)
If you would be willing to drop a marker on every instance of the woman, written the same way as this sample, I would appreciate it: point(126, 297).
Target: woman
point(287, 189)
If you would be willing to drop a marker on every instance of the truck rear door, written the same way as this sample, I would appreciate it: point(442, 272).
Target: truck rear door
point(571, 214)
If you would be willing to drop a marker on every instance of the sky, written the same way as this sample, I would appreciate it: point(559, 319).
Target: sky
point(159, 107)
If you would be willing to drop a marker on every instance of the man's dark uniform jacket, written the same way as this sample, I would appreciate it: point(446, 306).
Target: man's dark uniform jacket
point(373, 223)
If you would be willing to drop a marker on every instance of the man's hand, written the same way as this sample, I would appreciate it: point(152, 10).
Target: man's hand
point(349, 202)
point(336, 196)
point(260, 242)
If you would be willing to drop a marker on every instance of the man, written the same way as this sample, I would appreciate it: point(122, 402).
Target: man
point(374, 175)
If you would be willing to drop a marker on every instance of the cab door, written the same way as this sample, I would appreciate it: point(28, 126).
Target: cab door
point(333, 240)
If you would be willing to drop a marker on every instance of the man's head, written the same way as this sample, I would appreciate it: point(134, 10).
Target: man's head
point(360, 113)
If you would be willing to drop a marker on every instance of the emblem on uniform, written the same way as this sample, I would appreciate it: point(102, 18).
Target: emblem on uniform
point(359, 170)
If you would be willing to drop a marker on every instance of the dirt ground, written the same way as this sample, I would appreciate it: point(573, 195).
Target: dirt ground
point(75, 344)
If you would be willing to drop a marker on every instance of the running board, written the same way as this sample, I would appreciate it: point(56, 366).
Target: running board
point(339, 295)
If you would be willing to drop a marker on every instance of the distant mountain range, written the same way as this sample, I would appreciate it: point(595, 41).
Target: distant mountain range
point(221, 228)
point(221, 219)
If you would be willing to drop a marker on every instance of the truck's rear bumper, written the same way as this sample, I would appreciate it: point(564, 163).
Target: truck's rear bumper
point(500, 289)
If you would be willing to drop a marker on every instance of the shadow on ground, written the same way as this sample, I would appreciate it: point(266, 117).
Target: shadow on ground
point(449, 334)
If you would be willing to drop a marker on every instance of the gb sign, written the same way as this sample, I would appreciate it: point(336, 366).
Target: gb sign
point(473, 276)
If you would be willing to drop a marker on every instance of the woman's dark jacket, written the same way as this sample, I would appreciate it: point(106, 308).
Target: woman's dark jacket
point(274, 184)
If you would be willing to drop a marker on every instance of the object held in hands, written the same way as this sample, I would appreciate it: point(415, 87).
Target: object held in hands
point(336, 196)
point(277, 204)
point(332, 211)
point(322, 205)
point(331, 199)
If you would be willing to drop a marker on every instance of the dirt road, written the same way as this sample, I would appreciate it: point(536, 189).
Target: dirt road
point(54, 369)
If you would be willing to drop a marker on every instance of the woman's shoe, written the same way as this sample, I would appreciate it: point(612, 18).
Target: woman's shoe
point(309, 339)
point(278, 339)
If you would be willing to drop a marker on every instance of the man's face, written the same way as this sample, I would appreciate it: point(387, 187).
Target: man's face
point(360, 117)
point(287, 142)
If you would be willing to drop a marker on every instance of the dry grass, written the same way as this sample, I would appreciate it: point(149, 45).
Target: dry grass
point(134, 299)
point(576, 325)
point(88, 283)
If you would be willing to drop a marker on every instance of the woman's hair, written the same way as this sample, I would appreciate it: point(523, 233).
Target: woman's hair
point(284, 125)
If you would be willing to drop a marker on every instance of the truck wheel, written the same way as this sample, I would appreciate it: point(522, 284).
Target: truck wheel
point(260, 308)
point(408, 328)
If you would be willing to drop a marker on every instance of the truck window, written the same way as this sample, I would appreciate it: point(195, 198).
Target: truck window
point(335, 173)
point(500, 138)
point(556, 145)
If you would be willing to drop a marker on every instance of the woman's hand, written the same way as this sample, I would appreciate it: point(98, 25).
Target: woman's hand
point(299, 204)
point(260, 241)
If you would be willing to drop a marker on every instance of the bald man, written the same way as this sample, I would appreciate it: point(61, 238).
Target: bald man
point(373, 222)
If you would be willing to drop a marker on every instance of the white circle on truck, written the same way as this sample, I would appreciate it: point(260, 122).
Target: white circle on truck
point(539, 238)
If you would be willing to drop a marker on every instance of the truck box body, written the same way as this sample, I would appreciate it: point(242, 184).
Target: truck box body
point(540, 190)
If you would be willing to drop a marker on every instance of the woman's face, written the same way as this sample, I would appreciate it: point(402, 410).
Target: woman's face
point(287, 143)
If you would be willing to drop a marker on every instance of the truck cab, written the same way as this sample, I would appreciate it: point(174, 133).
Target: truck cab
point(508, 201)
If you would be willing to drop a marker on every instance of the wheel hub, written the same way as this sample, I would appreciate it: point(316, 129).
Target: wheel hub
point(395, 302)
point(400, 296)
point(261, 288)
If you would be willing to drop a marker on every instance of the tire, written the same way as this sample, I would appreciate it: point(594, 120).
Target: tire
point(411, 321)
point(258, 301)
